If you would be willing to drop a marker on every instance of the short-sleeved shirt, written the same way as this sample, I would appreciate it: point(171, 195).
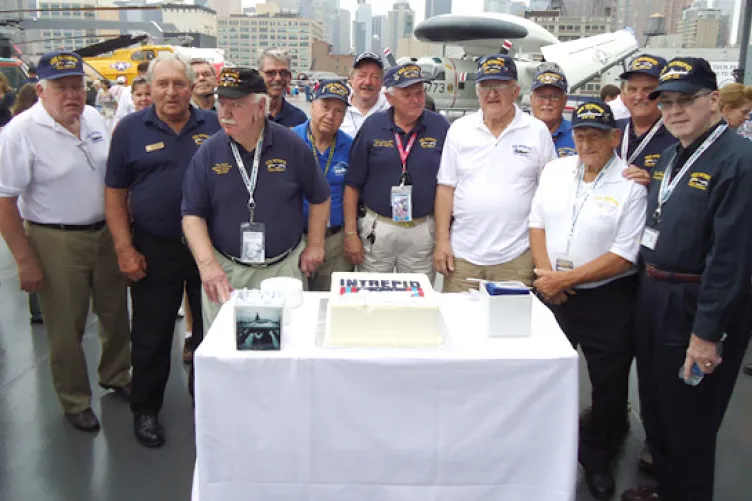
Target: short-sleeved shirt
point(150, 160)
point(354, 118)
point(648, 158)
point(494, 180)
point(375, 164)
point(214, 190)
point(335, 175)
point(705, 228)
point(57, 177)
point(289, 115)
point(611, 219)
point(563, 140)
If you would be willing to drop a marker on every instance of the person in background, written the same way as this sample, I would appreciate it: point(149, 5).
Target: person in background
point(204, 85)
point(107, 104)
point(275, 68)
point(365, 81)
point(33, 78)
point(736, 104)
point(140, 94)
point(611, 94)
point(8, 97)
point(125, 102)
point(548, 98)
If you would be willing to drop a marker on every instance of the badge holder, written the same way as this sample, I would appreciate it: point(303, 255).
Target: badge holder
point(253, 243)
point(650, 235)
point(564, 264)
point(402, 200)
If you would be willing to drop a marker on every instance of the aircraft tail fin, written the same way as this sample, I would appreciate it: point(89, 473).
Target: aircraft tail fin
point(390, 61)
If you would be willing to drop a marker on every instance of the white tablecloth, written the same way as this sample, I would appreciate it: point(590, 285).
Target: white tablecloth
point(477, 420)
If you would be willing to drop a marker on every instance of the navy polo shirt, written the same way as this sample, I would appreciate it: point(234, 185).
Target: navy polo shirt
point(375, 164)
point(150, 160)
point(289, 115)
point(214, 189)
point(649, 157)
point(563, 140)
point(336, 174)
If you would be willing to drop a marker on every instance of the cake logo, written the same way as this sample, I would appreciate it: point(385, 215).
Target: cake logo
point(353, 286)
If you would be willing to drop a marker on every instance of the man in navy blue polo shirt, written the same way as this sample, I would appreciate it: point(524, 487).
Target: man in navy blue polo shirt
point(243, 197)
point(149, 155)
point(393, 165)
point(332, 152)
point(275, 68)
point(644, 137)
point(548, 98)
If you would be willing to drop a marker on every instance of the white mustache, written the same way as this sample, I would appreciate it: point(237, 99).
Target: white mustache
point(227, 121)
point(275, 85)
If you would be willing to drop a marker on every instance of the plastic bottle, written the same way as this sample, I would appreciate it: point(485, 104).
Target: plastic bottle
point(696, 375)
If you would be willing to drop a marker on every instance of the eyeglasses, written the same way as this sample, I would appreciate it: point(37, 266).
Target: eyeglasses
point(498, 87)
point(281, 73)
point(683, 102)
point(549, 97)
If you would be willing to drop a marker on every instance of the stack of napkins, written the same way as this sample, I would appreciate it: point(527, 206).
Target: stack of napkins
point(258, 319)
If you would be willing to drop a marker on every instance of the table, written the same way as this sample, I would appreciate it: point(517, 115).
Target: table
point(477, 420)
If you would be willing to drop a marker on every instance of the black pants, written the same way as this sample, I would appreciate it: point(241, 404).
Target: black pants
point(681, 421)
point(600, 321)
point(156, 300)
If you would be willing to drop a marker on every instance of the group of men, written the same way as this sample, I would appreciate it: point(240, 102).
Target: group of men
point(186, 197)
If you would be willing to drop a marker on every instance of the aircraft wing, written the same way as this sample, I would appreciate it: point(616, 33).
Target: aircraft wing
point(583, 59)
point(113, 44)
point(484, 34)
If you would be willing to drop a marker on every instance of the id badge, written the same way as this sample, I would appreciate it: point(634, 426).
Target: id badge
point(564, 264)
point(252, 243)
point(649, 238)
point(402, 204)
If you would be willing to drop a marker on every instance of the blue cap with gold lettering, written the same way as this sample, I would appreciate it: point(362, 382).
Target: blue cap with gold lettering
point(550, 78)
point(686, 75)
point(59, 64)
point(238, 82)
point(404, 75)
point(594, 114)
point(332, 89)
point(646, 65)
point(496, 67)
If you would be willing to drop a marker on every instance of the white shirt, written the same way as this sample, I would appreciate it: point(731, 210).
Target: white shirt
point(611, 219)
point(354, 118)
point(494, 182)
point(57, 177)
point(125, 104)
point(619, 109)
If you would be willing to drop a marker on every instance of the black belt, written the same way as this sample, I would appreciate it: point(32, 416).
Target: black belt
point(72, 227)
point(330, 231)
point(267, 262)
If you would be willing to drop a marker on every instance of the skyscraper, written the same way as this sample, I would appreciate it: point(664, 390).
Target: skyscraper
point(400, 22)
point(342, 39)
point(438, 7)
point(364, 17)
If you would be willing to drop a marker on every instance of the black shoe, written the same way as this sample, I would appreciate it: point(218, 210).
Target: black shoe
point(85, 420)
point(748, 369)
point(601, 484)
point(148, 431)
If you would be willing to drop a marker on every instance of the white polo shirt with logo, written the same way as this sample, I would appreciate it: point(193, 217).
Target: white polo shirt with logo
point(57, 177)
point(494, 180)
point(354, 118)
point(611, 219)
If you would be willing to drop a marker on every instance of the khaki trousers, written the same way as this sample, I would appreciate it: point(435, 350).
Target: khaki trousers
point(78, 267)
point(519, 268)
point(250, 277)
point(334, 261)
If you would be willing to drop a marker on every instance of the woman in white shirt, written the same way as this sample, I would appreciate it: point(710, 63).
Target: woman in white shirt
point(585, 229)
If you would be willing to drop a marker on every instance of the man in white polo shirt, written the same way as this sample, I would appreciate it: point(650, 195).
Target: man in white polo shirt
point(486, 182)
point(52, 161)
point(365, 80)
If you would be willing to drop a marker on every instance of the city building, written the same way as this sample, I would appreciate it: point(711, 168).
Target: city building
point(190, 18)
point(500, 6)
point(225, 8)
point(400, 22)
point(342, 37)
point(701, 27)
point(285, 4)
point(363, 26)
point(381, 34)
point(326, 61)
point(63, 39)
point(244, 37)
point(518, 8)
point(437, 8)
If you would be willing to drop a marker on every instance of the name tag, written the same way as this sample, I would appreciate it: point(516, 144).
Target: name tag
point(154, 147)
point(649, 238)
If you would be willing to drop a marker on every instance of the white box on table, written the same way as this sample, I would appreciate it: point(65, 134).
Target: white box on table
point(508, 315)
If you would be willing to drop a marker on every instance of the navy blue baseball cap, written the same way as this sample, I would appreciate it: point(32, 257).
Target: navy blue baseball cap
point(332, 89)
point(550, 78)
point(368, 56)
point(59, 64)
point(404, 75)
point(595, 114)
point(238, 82)
point(686, 75)
point(496, 67)
point(646, 65)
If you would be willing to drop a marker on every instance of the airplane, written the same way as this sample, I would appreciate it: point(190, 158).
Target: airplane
point(532, 46)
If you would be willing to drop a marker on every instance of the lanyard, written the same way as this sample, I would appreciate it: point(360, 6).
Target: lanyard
point(405, 152)
point(316, 155)
point(640, 147)
point(581, 195)
point(670, 182)
point(249, 182)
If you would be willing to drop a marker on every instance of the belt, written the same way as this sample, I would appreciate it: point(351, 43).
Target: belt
point(267, 262)
point(330, 231)
point(670, 276)
point(72, 227)
point(388, 220)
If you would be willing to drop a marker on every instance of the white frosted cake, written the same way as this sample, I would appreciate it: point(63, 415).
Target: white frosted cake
point(383, 309)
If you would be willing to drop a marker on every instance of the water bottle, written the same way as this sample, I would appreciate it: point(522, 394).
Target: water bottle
point(696, 375)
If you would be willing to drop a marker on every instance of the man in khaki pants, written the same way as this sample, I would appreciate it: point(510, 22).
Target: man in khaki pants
point(52, 161)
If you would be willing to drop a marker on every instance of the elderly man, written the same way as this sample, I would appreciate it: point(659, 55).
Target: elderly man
point(365, 80)
point(204, 85)
point(490, 205)
point(393, 166)
point(275, 67)
point(331, 149)
point(243, 197)
point(695, 292)
point(548, 98)
point(52, 159)
point(150, 153)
